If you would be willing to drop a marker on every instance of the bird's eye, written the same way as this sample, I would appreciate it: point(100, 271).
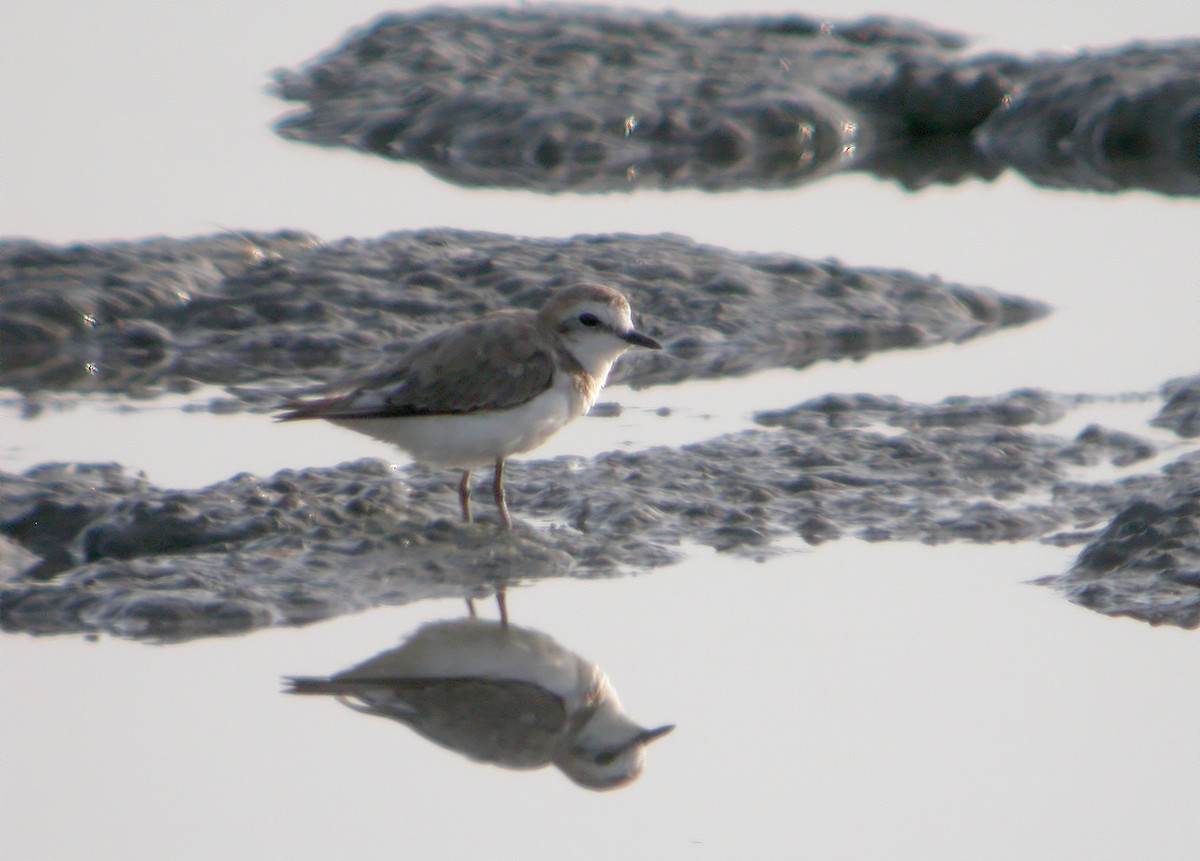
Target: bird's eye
point(589, 320)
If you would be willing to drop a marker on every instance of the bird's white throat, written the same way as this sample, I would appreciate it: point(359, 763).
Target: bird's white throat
point(595, 352)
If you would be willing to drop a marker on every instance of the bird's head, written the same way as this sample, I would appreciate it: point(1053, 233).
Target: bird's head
point(596, 325)
point(609, 763)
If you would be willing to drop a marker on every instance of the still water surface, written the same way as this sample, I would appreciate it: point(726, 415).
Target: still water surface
point(862, 701)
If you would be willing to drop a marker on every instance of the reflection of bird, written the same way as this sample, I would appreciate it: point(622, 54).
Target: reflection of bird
point(499, 694)
point(485, 389)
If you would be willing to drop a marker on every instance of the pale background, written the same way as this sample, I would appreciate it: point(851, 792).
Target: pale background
point(855, 701)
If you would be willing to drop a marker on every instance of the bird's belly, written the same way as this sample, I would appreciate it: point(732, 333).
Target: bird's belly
point(474, 439)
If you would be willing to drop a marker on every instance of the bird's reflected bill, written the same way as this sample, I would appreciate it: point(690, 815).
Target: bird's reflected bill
point(649, 735)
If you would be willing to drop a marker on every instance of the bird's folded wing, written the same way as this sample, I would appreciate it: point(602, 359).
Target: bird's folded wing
point(496, 363)
point(510, 723)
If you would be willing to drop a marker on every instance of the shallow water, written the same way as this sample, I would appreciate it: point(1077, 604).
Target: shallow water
point(857, 700)
point(861, 701)
point(105, 429)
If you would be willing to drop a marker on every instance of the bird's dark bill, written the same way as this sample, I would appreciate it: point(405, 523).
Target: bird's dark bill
point(640, 340)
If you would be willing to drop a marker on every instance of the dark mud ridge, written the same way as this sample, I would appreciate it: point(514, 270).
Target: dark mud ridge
point(586, 99)
point(1181, 413)
point(90, 548)
point(275, 315)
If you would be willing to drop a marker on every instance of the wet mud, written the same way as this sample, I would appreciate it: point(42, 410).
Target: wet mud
point(93, 548)
point(1146, 562)
point(272, 316)
point(1181, 412)
point(583, 99)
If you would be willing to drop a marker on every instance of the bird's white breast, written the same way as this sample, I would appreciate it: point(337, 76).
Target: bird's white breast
point(476, 439)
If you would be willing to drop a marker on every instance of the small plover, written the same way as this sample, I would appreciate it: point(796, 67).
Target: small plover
point(504, 695)
point(485, 389)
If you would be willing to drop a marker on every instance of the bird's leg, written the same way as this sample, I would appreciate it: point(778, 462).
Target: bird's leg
point(470, 607)
point(464, 495)
point(502, 603)
point(498, 494)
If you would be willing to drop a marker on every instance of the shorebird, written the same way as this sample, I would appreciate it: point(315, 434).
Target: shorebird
point(480, 391)
point(504, 695)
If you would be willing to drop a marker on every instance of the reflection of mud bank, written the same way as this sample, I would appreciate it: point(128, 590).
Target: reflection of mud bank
point(1128, 118)
point(113, 553)
point(566, 98)
point(140, 318)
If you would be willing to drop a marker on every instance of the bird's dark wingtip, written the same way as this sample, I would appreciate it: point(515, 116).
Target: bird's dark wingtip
point(304, 685)
point(301, 409)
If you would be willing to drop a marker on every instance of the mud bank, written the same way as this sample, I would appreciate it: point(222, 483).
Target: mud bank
point(1146, 562)
point(1181, 412)
point(274, 315)
point(93, 548)
point(583, 99)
